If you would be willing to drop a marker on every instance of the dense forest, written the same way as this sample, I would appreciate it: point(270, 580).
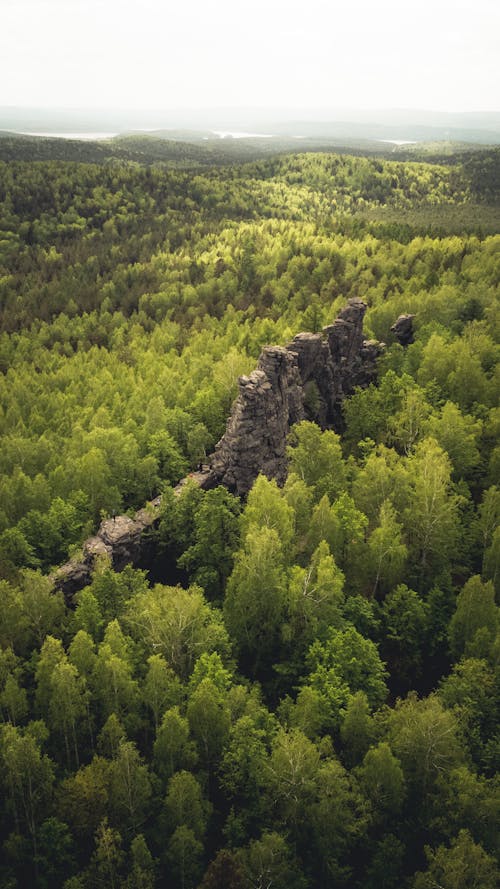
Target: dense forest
point(303, 690)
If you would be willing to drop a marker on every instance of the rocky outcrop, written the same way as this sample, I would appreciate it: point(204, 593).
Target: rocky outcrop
point(403, 330)
point(121, 539)
point(309, 378)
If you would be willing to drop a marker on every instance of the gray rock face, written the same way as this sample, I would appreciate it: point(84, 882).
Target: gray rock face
point(308, 379)
point(403, 329)
point(120, 539)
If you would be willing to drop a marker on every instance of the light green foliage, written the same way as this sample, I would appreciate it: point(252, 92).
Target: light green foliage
point(179, 624)
point(387, 551)
point(464, 865)
point(343, 665)
point(267, 508)
point(173, 749)
point(458, 435)
point(473, 626)
point(162, 688)
point(27, 778)
point(381, 779)
point(184, 854)
point(316, 457)
point(209, 720)
point(431, 519)
point(425, 738)
point(130, 787)
point(269, 862)
point(290, 777)
point(184, 805)
point(255, 603)
point(315, 598)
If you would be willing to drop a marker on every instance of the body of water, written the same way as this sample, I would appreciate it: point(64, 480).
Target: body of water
point(95, 137)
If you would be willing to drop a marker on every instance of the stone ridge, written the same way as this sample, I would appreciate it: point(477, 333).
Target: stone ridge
point(307, 379)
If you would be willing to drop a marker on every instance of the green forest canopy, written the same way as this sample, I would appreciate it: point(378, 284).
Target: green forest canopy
point(316, 703)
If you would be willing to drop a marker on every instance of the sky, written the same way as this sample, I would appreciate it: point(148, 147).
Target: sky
point(371, 54)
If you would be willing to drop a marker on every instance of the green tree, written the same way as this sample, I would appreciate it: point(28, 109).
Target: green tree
point(209, 559)
point(254, 607)
point(464, 865)
point(184, 855)
point(130, 787)
point(381, 779)
point(178, 624)
point(162, 689)
point(425, 738)
point(387, 551)
point(316, 457)
point(475, 620)
point(184, 805)
point(173, 750)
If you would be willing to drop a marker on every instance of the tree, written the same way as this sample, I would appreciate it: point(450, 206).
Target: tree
point(425, 738)
point(381, 779)
point(67, 706)
point(162, 689)
point(83, 797)
point(315, 599)
point(405, 630)
point(209, 559)
point(173, 750)
point(387, 550)
point(470, 691)
point(108, 857)
point(184, 805)
point(268, 861)
point(464, 865)
point(41, 605)
point(357, 730)
point(178, 624)
point(475, 619)
point(337, 818)
point(184, 854)
point(209, 721)
point(290, 777)
point(431, 519)
point(254, 607)
point(130, 787)
point(316, 457)
point(28, 777)
point(143, 866)
point(343, 665)
point(266, 507)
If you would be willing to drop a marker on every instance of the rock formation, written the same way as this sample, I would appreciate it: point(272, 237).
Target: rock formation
point(403, 329)
point(308, 379)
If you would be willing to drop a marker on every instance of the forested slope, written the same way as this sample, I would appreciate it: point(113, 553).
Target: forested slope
point(316, 704)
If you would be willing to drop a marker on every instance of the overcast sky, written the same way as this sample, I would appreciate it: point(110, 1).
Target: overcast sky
point(432, 54)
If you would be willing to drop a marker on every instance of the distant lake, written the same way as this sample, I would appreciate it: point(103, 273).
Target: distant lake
point(226, 134)
point(85, 136)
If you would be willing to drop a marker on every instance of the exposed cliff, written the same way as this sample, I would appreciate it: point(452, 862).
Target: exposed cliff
point(308, 379)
